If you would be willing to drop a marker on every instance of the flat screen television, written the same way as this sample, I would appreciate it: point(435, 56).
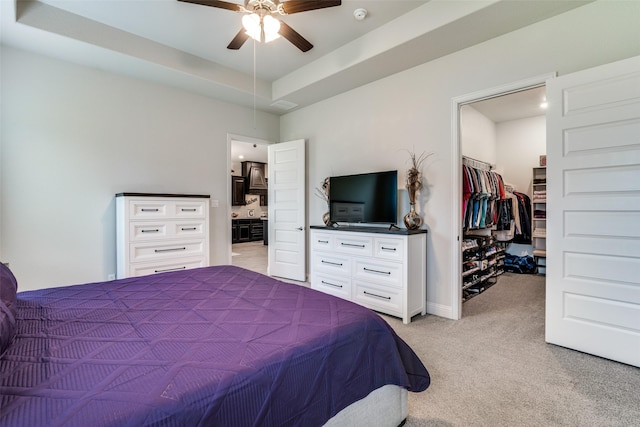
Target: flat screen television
point(368, 198)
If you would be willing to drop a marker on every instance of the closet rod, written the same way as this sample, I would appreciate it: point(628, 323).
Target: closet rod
point(475, 163)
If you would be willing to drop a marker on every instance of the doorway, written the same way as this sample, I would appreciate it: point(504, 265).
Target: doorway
point(486, 103)
point(248, 205)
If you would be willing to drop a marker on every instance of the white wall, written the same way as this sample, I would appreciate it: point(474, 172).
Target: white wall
point(478, 137)
point(519, 146)
point(370, 127)
point(73, 137)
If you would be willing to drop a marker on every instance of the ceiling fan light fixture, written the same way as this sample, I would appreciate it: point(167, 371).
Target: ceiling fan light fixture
point(261, 28)
point(259, 24)
point(251, 24)
point(271, 28)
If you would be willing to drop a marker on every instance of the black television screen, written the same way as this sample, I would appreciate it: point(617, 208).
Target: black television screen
point(364, 198)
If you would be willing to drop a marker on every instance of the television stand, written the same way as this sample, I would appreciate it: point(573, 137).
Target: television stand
point(382, 269)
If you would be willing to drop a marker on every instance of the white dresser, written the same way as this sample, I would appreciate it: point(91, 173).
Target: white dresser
point(161, 232)
point(385, 271)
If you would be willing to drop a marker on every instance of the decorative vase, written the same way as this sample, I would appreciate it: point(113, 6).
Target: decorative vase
point(412, 220)
point(326, 220)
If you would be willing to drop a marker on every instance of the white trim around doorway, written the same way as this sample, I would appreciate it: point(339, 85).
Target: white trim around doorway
point(456, 178)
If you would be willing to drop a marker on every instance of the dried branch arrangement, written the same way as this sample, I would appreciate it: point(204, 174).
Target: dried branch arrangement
point(323, 191)
point(414, 174)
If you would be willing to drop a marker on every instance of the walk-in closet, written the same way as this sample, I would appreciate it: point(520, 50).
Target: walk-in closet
point(503, 147)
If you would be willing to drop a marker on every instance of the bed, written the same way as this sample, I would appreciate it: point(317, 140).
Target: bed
point(209, 346)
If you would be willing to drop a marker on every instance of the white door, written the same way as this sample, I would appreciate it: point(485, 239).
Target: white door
point(287, 211)
point(593, 195)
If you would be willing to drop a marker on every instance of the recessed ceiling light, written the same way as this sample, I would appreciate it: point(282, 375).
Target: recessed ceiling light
point(241, 157)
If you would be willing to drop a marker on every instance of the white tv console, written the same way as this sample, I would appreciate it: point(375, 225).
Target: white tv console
point(384, 270)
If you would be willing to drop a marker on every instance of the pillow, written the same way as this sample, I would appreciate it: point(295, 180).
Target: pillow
point(8, 300)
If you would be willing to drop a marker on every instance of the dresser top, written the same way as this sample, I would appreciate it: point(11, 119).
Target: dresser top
point(195, 196)
point(364, 229)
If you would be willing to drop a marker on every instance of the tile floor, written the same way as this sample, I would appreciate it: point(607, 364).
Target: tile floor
point(251, 255)
point(254, 256)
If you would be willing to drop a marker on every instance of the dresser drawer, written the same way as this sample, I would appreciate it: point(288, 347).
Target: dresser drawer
point(142, 269)
point(338, 286)
point(334, 264)
point(149, 230)
point(383, 272)
point(388, 248)
point(189, 229)
point(190, 209)
point(148, 209)
point(157, 230)
point(321, 241)
point(387, 300)
point(140, 252)
point(166, 208)
point(354, 245)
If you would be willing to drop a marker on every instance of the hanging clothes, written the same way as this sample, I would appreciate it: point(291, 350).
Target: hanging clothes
point(482, 190)
point(523, 231)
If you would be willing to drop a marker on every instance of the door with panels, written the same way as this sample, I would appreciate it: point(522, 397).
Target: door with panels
point(593, 192)
point(287, 210)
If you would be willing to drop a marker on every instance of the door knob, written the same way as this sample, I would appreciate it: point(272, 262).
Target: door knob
point(300, 228)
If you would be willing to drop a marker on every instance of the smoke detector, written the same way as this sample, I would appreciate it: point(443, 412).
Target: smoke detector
point(360, 14)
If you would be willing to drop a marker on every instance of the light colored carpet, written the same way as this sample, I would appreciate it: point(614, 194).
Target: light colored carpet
point(493, 368)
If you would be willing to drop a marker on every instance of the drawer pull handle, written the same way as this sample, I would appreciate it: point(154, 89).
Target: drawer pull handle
point(388, 273)
point(170, 250)
point(188, 210)
point(331, 284)
point(155, 230)
point(323, 241)
point(171, 269)
point(188, 228)
point(339, 264)
point(149, 210)
point(377, 296)
point(388, 249)
point(352, 245)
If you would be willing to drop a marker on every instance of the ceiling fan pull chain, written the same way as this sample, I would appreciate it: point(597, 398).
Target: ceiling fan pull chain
point(254, 84)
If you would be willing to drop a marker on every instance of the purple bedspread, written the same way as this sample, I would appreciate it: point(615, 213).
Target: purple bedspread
point(216, 346)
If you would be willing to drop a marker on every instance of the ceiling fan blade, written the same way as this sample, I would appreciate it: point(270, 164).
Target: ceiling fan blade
point(295, 6)
point(217, 3)
point(238, 40)
point(294, 37)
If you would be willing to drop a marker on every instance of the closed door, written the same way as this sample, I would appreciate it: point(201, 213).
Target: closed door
point(287, 210)
point(593, 194)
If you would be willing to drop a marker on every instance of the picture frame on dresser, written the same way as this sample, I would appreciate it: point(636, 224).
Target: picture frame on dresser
point(157, 233)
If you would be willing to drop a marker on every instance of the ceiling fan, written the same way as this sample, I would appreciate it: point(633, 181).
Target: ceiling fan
point(259, 23)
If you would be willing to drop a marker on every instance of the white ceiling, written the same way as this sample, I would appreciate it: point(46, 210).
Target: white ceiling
point(248, 152)
point(517, 105)
point(184, 45)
